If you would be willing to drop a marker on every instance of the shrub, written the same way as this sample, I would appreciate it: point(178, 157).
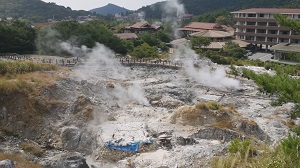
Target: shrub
point(240, 146)
point(32, 149)
point(23, 67)
point(21, 162)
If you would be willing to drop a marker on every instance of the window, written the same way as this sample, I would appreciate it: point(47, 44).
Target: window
point(261, 23)
point(251, 15)
point(261, 15)
point(261, 31)
point(251, 23)
point(273, 24)
point(285, 32)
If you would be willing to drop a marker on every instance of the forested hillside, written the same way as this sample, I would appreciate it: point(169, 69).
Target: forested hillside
point(36, 10)
point(198, 7)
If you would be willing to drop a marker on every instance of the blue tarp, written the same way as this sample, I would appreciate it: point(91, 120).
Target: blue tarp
point(132, 147)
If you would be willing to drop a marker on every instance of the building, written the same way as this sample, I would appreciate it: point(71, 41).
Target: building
point(127, 36)
point(141, 27)
point(82, 19)
point(185, 17)
point(218, 34)
point(218, 38)
point(200, 26)
point(259, 27)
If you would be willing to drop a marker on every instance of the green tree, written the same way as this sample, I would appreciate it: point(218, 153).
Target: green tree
point(88, 34)
point(150, 39)
point(17, 37)
point(144, 51)
point(234, 50)
point(199, 42)
point(290, 23)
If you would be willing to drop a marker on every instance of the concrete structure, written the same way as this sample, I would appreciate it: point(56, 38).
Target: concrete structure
point(259, 27)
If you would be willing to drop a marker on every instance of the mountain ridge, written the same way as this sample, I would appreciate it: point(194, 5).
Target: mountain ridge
point(37, 10)
point(198, 7)
point(109, 9)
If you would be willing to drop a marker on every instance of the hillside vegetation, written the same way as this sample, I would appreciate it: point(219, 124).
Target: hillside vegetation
point(36, 10)
point(198, 7)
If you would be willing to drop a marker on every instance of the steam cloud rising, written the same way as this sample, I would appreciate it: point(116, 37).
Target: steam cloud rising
point(205, 75)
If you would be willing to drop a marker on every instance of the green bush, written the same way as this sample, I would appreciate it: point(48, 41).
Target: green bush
point(242, 147)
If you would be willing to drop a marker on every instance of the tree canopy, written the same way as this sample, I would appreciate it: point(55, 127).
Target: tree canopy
point(290, 23)
point(17, 37)
point(234, 50)
point(77, 34)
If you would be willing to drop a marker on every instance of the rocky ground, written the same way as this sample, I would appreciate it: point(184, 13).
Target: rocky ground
point(100, 101)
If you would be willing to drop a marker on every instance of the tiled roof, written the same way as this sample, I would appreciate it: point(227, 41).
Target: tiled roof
point(202, 25)
point(219, 45)
point(181, 41)
point(127, 35)
point(138, 25)
point(286, 47)
point(269, 10)
point(212, 34)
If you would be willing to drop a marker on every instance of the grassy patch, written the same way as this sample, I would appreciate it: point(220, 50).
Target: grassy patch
point(27, 83)
point(32, 149)
point(9, 68)
point(245, 154)
point(21, 162)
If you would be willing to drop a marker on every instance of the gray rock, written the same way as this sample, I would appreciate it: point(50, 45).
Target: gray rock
point(73, 162)
point(7, 164)
point(277, 125)
point(70, 138)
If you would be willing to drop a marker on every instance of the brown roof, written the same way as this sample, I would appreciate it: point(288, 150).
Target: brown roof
point(288, 47)
point(181, 41)
point(127, 36)
point(269, 10)
point(219, 45)
point(138, 25)
point(45, 24)
point(202, 25)
point(212, 34)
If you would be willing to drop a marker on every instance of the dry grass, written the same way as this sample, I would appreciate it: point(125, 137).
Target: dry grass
point(21, 162)
point(205, 113)
point(24, 67)
point(31, 148)
point(223, 124)
point(28, 82)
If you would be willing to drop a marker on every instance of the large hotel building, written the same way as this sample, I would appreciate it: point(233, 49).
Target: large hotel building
point(258, 26)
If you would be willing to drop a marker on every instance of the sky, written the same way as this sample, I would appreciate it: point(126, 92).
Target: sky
point(91, 4)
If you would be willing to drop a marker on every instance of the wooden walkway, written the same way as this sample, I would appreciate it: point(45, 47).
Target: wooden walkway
point(153, 63)
point(172, 64)
point(45, 60)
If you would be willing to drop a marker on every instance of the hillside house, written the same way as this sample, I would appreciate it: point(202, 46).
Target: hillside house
point(141, 27)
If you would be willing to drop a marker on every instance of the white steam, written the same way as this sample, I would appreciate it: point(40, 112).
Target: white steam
point(207, 75)
point(101, 66)
point(172, 11)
